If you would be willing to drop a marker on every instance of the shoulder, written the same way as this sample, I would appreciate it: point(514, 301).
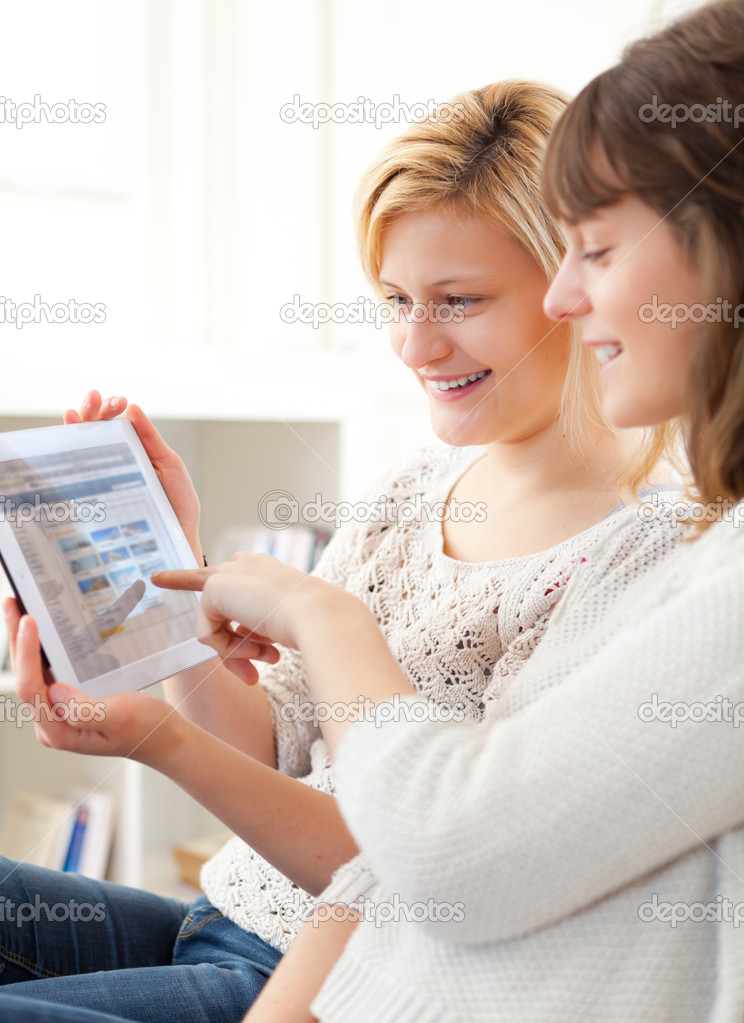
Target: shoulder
point(629, 543)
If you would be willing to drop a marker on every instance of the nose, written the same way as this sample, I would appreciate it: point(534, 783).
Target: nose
point(566, 298)
point(424, 341)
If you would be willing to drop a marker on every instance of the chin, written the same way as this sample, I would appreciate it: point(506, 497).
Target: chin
point(457, 436)
point(628, 414)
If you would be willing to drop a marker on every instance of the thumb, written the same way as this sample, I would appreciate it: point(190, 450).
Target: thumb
point(73, 706)
point(60, 693)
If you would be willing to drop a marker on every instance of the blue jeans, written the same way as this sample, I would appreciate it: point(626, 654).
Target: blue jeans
point(113, 950)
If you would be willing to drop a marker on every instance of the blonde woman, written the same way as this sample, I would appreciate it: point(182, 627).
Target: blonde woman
point(454, 233)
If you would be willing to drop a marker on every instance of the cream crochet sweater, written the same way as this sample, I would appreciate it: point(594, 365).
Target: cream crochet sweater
point(461, 632)
point(596, 850)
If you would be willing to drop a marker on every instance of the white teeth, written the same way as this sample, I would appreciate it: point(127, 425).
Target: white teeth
point(445, 385)
point(606, 352)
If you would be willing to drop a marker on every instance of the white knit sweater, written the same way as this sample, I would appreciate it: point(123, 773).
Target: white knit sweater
point(461, 632)
point(583, 840)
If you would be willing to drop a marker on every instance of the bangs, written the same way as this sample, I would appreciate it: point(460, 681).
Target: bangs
point(582, 169)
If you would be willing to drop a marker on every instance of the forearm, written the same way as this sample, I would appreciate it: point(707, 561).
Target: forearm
point(292, 825)
point(211, 696)
point(298, 978)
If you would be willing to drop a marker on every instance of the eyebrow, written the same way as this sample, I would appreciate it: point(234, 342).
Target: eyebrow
point(463, 279)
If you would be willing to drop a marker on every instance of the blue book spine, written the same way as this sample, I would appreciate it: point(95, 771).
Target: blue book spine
point(75, 848)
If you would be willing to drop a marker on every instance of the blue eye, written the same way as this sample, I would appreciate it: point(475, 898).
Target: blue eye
point(592, 257)
point(461, 301)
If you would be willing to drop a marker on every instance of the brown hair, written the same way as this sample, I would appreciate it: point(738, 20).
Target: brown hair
point(482, 154)
point(663, 124)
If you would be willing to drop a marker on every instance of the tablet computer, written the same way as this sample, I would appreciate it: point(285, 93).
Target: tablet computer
point(84, 521)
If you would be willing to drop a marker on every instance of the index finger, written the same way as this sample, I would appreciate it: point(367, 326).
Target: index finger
point(182, 578)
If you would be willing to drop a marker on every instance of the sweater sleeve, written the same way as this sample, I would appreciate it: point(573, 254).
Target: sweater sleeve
point(528, 819)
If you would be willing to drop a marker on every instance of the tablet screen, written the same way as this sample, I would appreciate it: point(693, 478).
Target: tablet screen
point(83, 523)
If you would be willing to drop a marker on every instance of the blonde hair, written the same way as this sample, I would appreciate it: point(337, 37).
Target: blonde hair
point(481, 154)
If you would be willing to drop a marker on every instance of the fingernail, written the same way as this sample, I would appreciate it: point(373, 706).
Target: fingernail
point(23, 626)
point(58, 693)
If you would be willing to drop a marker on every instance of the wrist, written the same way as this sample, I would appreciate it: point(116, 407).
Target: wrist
point(320, 609)
point(167, 743)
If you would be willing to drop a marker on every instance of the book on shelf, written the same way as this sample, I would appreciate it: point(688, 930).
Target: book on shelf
point(297, 546)
point(70, 832)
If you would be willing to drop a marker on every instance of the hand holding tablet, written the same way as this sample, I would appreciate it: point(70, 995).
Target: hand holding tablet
point(84, 521)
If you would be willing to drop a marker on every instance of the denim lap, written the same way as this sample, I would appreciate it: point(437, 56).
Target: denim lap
point(126, 954)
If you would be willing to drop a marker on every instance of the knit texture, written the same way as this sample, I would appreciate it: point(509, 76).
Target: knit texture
point(597, 851)
point(461, 631)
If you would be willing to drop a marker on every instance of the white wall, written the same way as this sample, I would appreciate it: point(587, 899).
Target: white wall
point(193, 213)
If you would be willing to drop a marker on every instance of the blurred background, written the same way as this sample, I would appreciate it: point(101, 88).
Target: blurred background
point(186, 192)
point(176, 177)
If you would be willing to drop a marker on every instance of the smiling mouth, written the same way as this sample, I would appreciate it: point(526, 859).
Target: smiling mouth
point(607, 352)
point(457, 383)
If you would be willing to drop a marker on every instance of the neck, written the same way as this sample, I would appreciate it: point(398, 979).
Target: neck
point(545, 463)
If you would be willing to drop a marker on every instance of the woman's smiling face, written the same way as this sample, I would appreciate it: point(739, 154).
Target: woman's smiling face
point(622, 268)
point(470, 306)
